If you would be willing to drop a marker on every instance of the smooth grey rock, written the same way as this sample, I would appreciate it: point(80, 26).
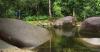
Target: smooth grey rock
point(22, 34)
point(5, 45)
point(65, 26)
point(90, 27)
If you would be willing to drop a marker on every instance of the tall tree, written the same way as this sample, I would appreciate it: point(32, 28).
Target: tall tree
point(50, 14)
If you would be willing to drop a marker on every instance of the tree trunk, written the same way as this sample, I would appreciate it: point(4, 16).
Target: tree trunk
point(50, 8)
point(19, 14)
point(74, 15)
point(84, 15)
point(73, 12)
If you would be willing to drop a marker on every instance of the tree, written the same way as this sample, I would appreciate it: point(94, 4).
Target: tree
point(50, 8)
point(57, 10)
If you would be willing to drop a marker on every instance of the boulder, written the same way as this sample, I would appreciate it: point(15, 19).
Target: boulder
point(64, 26)
point(93, 43)
point(90, 27)
point(5, 45)
point(22, 34)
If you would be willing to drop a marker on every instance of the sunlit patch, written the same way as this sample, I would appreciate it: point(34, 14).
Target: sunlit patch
point(93, 41)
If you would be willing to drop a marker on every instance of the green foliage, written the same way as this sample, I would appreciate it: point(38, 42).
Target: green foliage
point(10, 12)
point(78, 8)
point(57, 8)
point(31, 18)
point(82, 8)
point(27, 7)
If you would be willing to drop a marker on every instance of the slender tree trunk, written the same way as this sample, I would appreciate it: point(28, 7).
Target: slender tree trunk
point(73, 12)
point(74, 15)
point(84, 15)
point(19, 14)
point(37, 10)
point(50, 8)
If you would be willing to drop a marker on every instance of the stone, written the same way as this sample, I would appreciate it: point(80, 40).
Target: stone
point(15, 50)
point(90, 27)
point(21, 34)
point(90, 42)
point(5, 45)
point(64, 26)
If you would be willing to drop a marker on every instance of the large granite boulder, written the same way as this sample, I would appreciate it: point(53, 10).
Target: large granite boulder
point(64, 26)
point(88, 44)
point(22, 34)
point(5, 45)
point(90, 27)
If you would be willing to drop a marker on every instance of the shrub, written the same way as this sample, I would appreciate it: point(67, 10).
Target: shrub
point(31, 18)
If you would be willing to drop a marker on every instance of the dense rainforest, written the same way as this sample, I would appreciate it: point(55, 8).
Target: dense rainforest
point(44, 9)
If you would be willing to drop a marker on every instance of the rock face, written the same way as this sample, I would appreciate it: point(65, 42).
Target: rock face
point(21, 34)
point(64, 26)
point(90, 44)
point(4, 45)
point(90, 27)
point(15, 50)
